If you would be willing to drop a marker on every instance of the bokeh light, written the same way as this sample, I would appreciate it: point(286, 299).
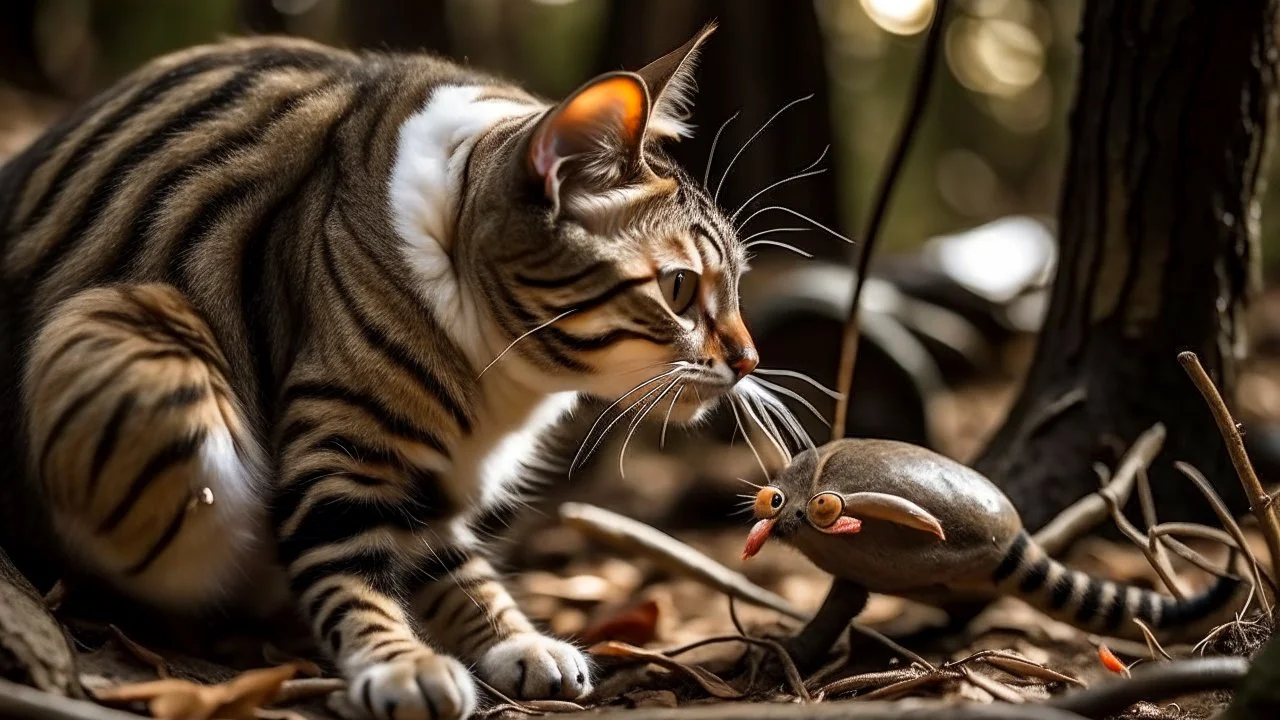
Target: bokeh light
point(900, 17)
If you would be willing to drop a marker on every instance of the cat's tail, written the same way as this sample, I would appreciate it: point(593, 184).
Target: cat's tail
point(1098, 605)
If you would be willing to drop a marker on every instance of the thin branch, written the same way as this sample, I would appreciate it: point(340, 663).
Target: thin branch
point(1091, 510)
point(1155, 683)
point(1229, 523)
point(20, 702)
point(1260, 501)
point(880, 208)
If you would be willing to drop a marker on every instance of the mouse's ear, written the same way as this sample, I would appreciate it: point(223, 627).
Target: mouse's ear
point(894, 509)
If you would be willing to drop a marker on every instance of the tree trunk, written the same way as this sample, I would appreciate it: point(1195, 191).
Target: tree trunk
point(414, 25)
point(764, 55)
point(1158, 235)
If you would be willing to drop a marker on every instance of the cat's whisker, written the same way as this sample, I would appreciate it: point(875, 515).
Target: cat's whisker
point(507, 349)
point(711, 157)
point(807, 172)
point(782, 245)
point(748, 482)
point(716, 196)
point(788, 419)
point(799, 376)
point(662, 439)
point(772, 406)
point(794, 213)
point(635, 423)
point(733, 405)
point(770, 430)
point(768, 419)
point(574, 465)
point(747, 240)
point(774, 387)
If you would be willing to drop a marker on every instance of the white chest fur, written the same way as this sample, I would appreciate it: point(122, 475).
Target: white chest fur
point(426, 188)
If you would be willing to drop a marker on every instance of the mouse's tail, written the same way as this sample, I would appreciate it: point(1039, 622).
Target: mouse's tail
point(1097, 605)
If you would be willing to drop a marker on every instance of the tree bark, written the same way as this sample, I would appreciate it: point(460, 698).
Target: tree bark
point(1158, 237)
point(764, 55)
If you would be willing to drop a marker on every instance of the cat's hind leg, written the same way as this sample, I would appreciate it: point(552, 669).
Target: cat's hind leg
point(152, 477)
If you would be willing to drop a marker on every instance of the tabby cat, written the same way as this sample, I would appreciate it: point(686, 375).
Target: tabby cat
point(282, 305)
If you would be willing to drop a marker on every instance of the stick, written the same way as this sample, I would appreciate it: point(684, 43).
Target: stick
point(1155, 683)
point(19, 702)
point(915, 112)
point(844, 710)
point(1091, 510)
point(628, 534)
point(1260, 502)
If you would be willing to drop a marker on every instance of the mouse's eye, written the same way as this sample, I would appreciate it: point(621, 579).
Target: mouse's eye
point(768, 502)
point(825, 508)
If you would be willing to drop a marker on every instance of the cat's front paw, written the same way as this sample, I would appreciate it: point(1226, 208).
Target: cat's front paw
point(536, 667)
point(418, 687)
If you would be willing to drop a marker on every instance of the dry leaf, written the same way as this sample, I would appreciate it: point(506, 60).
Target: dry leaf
point(709, 682)
point(173, 699)
point(635, 626)
point(652, 698)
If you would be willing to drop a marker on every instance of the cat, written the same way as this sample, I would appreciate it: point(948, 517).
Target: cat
point(275, 304)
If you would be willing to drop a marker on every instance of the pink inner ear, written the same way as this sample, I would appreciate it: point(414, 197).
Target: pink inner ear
point(844, 526)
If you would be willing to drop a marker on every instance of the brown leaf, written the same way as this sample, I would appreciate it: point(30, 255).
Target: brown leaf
point(635, 626)
point(708, 680)
point(172, 699)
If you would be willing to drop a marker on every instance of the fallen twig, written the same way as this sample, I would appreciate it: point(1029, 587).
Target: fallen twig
point(1092, 509)
point(997, 689)
point(142, 654)
point(1260, 502)
point(1154, 683)
point(1158, 562)
point(709, 681)
point(19, 702)
point(294, 691)
point(1229, 523)
point(627, 534)
point(844, 710)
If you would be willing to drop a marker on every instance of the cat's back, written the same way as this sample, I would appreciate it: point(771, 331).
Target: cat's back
point(188, 136)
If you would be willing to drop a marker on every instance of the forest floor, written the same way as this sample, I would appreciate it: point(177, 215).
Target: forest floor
point(638, 616)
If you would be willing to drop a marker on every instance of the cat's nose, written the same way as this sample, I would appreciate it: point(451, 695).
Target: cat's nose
point(743, 360)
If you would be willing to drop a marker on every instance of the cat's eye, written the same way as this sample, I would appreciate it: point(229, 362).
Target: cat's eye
point(824, 509)
point(679, 288)
point(768, 502)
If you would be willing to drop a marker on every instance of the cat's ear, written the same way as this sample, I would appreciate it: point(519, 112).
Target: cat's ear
point(595, 137)
point(671, 85)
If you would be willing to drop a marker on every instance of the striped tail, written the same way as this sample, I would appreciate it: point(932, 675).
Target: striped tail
point(1098, 605)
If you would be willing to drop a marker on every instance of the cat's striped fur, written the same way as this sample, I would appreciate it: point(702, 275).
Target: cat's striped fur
point(259, 288)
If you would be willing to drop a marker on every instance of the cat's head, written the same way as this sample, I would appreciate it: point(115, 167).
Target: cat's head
point(621, 261)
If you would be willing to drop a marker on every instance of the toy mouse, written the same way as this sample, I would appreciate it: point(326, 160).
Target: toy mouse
point(894, 518)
